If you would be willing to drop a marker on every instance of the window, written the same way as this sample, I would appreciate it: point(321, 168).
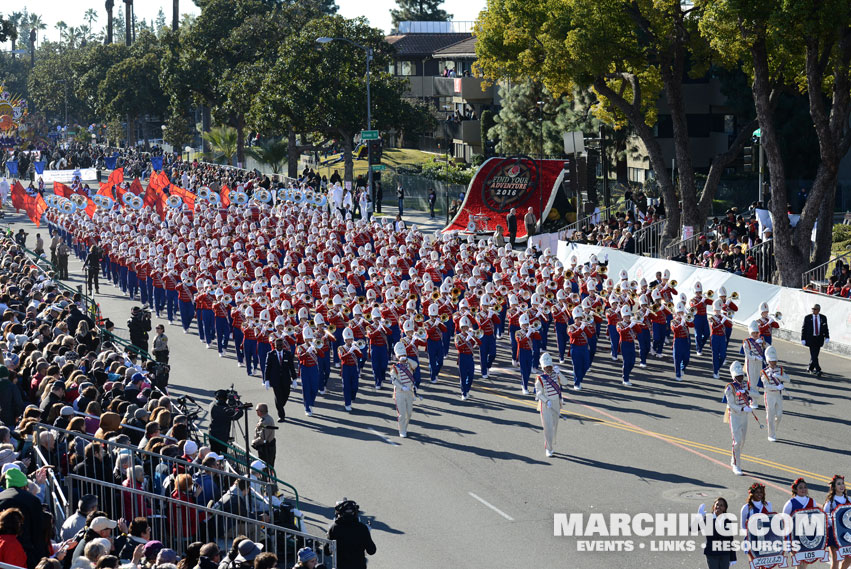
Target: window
point(406, 68)
point(636, 174)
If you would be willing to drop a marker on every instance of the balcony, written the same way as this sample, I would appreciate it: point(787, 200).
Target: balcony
point(467, 88)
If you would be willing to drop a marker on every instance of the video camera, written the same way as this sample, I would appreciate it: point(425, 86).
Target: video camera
point(234, 400)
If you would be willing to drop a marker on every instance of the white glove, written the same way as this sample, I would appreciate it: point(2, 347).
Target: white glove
point(701, 510)
point(754, 405)
point(266, 385)
point(826, 340)
point(747, 409)
point(549, 404)
point(803, 343)
point(405, 388)
point(780, 387)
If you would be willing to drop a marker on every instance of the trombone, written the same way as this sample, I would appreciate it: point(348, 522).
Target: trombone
point(734, 296)
point(360, 344)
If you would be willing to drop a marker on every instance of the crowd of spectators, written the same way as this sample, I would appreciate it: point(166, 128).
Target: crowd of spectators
point(839, 282)
point(78, 413)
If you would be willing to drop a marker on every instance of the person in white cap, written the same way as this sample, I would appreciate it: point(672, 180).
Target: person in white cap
point(718, 324)
point(740, 406)
point(682, 341)
point(404, 391)
point(465, 343)
point(627, 333)
point(524, 337)
point(548, 392)
point(753, 348)
point(701, 323)
point(773, 378)
point(350, 354)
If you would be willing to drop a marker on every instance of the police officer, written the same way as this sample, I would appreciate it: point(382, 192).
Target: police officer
point(221, 416)
point(264, 435)
point(92, 265)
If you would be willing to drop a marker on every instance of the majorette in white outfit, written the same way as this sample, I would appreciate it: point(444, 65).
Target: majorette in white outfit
point(548, 392)
point(773, 380)
point(740, 404)
point(402, 376)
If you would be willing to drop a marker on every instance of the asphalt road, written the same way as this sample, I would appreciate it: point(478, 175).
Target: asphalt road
point(471, 485)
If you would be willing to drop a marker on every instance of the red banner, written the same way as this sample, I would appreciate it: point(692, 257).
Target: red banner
point(225, 196)
point(152, 195)
point(36, 208)
point(106, 190)
point(91, 208)
point(19, 196)
point(116, 176)
point(159, 181)
point(136, 187)
point(61, 189)
point(502, 184)
point(160, 204)
point(187, 196)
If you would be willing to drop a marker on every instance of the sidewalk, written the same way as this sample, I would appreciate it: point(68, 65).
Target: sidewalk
point(413, 217)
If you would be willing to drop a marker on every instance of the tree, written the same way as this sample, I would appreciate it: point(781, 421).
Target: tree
point(330, 101)
point(518, 125)
point(7, 29)
point(15, 24)
point(61, 27)
point(47, 85)
point(91, 16)
point(109, 5)
point(272, 152)
point(222, 141)
point(630, 53)
point(419, 11)
point(804, 45)
point(72, 36)
point(160, 22)
point(177, 131)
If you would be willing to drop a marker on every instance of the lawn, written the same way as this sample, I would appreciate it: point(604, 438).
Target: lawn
point(392, 157)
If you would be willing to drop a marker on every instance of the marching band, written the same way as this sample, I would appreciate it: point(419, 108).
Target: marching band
point(340, 292)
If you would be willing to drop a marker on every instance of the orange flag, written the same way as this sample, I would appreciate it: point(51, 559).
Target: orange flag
point(61, 189)
point(106, 190)
point(225, 196)
point(136, 187)
point(152, 195)
point(187, 197)
point(19, 196)
point(116, 176)
point(35, 206)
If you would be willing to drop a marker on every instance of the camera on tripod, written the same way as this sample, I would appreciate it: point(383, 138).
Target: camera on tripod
point(234, 400)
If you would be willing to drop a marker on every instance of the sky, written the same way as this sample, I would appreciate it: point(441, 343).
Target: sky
point(71, 11)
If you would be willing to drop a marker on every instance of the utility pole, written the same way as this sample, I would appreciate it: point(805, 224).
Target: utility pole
point(109, 5)
point(604, 167)
point(761, 172)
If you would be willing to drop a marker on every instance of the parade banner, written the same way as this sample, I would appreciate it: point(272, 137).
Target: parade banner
point(159, 181)
point(505, 183)
point(39, 167)
point(34, 205)
point(12, 167)
point(765, 548)
point(792, 302)
point(157, 163)
point(136, 187)
point(110, 162)
point(187, 196)
point(225, 196)
point(106, 190)
point(841, 528)
point(116, 176)
point(19, 196)
point(809, 529)
point(67, 176)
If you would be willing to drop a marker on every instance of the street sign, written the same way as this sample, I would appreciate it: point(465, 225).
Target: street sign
point(378, 167)
point(369, 135)
point(757, 133)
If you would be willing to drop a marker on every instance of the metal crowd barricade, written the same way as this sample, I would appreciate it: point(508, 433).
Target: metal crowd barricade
point(690, 244)
point(55, 498)
point(816, 278)
point(648, 239)
point(586, 222)
point(763, 254)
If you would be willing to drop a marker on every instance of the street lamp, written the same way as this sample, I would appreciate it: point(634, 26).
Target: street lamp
point(368, 50)
point(163, 127)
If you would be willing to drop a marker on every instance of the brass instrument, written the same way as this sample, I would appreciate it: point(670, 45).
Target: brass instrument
point(670, 306)
point(655, 307)
point(331, 328)
point(400, 301)
point(413, 296)
point(289, 331)
point(602, 269)
point(346, 311)
point(419, 318)
point(710, 294)
point(518, 335)
point(778, 315)
point(329, 303)
point(291, 312)
point(368, 317)
point(536, 327)
point(435, 295)
point(672, 284)
point(730, 314)
point(568, 274)
point(318, 343)
point(227, 299)
point(444, 317)
point(550, 296)
point(421, 335)
point(477, 333)
point(690, 317)
point(456, 292)
point(361, 345)
point(734, 296)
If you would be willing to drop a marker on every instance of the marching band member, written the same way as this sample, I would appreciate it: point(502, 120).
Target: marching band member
point(308, 364)
point(753, 348)
point(701, 323)
point(413, 341)
point(740, 406)
point(185, 302)
point(379, 337)
point(836, 497)
point(579, 351)
point(800, 500)
point(766, 323)
point(718, 339)
point(612, 321)
point(402, 376)
point(349, 354)
point(756, 504)
point(434, 328)
point(682, 341)
point(659, 322)
point(204, 313)
point(524, 337)
point(561, 318)
point(548, 392)
point(773, 378)
point(514, 314)
point(465, 342)
point(627, 333)
point(486, 320)
point(642, 326)
point(237, 319)
point(221, 312)
point(727, 306)
point(170, 284)
point(324, 348)
point(249, 341)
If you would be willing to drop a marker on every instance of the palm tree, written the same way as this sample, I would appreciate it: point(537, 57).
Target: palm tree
point(61, 26)
point(36, 23)
point(272, 152)
point(109, 5)
point(73, 36)
point(222, 141)
point(91, 16)
point(16, 19)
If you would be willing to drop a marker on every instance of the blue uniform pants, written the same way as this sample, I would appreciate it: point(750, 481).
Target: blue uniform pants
point(338, 341)
point(237, 344)
point(581, 358)
point(418, 375)
point(350, 383)
point(159, 300)
point(615, 338)
point(592, 349)
point(487, 352)
point(263, 349)
point(171, 304)
point(701, 331)
point(658, 338)
point(309, 385)
point(250, 347)
point(628, 353)
point(512, 332)
point(681, 355)
point(466, 369)
point(447, 336)
point(643, 345)
point(378, 356)
point(435, 358)
point(222, 333)
point(143, 290)
point(545, 331)
point(132, 283)
point(209, 319)
point(122, 278)
point(536, 352)
point(766, 339)
point(324, 370)
point(719, 352)
point(187, 312)
point(561, 339)
point(525, 359)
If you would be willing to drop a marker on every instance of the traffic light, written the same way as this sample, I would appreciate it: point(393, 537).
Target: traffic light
point(570, 182)
point(748, 159)
point(375, 148)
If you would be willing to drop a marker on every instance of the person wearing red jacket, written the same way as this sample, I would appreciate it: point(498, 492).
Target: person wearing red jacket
point(612, 320)
point(682, 342)
point(524, 337)
point(627, 332)
point(379, 336)
point(580, 353)
point(204, 311)
point(349, 354)
point(728, 306)
point(435, 329)
point(465, 343)
point(185, 295)
point(701, 323)
point(717, 324)
point(750, 269)
point(221, 313)
point(486, 321)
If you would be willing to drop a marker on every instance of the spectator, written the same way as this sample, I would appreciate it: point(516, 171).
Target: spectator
point(627, 243)
point(229, 560)
point(270, 561)
point(140, 534)
point(210, 556)
point(18, 496)
point(183, 518)
point(77, 521)
point(248, 552)
point(307, 559)
point(530, 222)
point(11, 550)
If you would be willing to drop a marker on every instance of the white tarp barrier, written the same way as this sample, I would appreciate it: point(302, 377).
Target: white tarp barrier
point(544, 240)
point(794, 304)
point(67, 176)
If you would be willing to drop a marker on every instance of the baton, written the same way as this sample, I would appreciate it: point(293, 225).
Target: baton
point(761, 426)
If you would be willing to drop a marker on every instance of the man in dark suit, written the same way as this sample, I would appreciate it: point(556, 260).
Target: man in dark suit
point(280, 373)
point(814, 335)
point(511, 222)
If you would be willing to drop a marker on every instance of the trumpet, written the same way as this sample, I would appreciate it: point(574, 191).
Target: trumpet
point(444, 317)
point(536, 327)
point(435, 295)
point(331, 328)
point(421, 334)
point(477, 333)
point(329, 303)
point(670, 306)
point(419, 318)
point(227, 299)
point(456, 292)
point(318, 343)
point(413, 296)
point(690, 317)
point(503, 290)
point(730, 314)
point(360, 344)
point(734, 296)
point(361, 299)
point(710, 294)
point(289, 331)
point(568, 274)
point(778, 315)
point(346, 311)
point(550, 296)
point(603, 269)
point(672, 284)
point(291, 312)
